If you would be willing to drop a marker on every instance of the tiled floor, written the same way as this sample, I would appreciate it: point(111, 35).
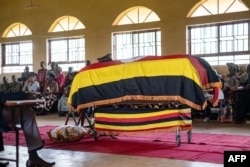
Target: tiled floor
point(84, 159)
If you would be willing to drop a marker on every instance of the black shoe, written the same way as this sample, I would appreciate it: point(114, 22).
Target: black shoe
point(4, 164)
point(39, 163)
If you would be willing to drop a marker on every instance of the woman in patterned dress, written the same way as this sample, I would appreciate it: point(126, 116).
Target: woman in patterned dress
point(49, 95)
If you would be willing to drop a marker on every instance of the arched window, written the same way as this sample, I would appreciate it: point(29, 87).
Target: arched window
point(16, 30)
point(16, 55)
point(66, 23)
point(214, 7)
point(130, 44)
point(67, 51)
point(136, 15)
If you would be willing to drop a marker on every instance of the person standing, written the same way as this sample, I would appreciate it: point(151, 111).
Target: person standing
point(69, 77)
point(25, 74)
point(60, 78)
point(41, 75)
point(53, 66)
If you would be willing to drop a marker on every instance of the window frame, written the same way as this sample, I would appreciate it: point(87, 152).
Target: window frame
point(16, 65)
point(134, 46)
point(65, 64)
point(221, 54)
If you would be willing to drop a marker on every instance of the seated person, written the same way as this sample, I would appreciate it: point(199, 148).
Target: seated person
point(62, 102)
point(232, 82)
point(242, 105)
point(49, 95)
point(31, 86)
point(216, 100)
point(15, 86)
point(30, 129)
point(5, 86)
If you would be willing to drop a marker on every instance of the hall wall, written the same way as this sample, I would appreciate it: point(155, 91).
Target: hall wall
point(98, 16)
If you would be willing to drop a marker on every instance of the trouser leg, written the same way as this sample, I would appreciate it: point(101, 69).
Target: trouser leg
point(29, 127)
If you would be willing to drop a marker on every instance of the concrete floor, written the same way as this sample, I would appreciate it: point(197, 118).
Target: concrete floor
point(85, 159)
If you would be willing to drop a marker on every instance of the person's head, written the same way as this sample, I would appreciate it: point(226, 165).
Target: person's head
point(70, 70)
point(66, 91)
point(53, 65)
point(58, 70)
point(14, 78)
point(5, 79)
point(51, 76)
point(26, 69)
point(32, 77)
point(88, 62)
point(71, 76)
point(232, 68)
point(42, 64)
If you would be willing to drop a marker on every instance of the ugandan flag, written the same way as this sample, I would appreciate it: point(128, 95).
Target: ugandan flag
point(151, 79)
point(213, 80)
point(143, 119)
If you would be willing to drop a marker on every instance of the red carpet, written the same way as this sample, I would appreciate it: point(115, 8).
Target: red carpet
point(203, 147)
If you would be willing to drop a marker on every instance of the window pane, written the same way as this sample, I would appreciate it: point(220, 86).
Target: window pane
point(241, 37)
point(242, 59)
point(76, 50)
point(138, 43)
point(26, 53)
point(68, 52)
point(58, 50)
point(204, 40)
point(212, 60)
point(11, 54)
point(15, 56)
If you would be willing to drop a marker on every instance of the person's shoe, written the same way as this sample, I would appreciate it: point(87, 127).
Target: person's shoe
point(39, 163)
point(4, 164)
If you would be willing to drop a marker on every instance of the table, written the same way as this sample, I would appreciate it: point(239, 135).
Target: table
point(12, 105)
